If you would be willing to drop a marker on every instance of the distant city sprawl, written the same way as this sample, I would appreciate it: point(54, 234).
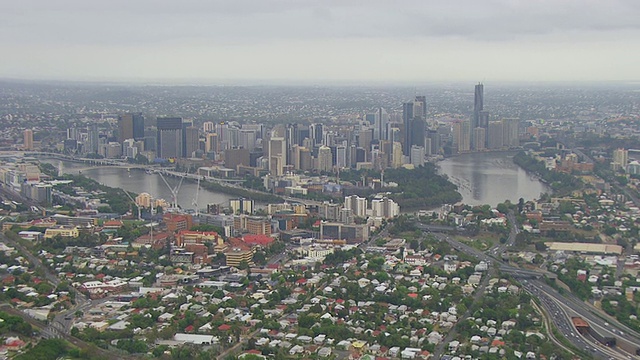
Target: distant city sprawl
point(445, 222)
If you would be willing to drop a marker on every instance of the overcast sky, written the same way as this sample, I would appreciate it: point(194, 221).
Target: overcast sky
point(321, 41)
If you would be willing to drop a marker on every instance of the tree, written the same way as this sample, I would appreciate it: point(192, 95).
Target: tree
point(503, 208)
point(259, 258)
point(49, 349)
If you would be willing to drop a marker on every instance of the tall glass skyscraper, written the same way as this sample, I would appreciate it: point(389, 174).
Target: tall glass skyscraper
point(169, 143)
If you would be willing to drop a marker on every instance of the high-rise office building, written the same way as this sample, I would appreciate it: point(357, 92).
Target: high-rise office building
point(356, 204)
point(224, 136)
point(296, 133)
point(478, 101)
point(208, 127)
point(93, 139)
point(277, 153)
point(28, 139)
point(185, 124)
point(242, 206)
point(72, 133)
point(192, 141)
point(434, 138)
point(461, 136)
point(511, 129)
point(211, 142)
point(407, 119)
point(247, 139)
point(380, 126)
point(316, 134)
point(169, 143)
point(418, 129)
point(420, 107)
point(496, 133)
point(325, 159)
point(620, 159)
point(479, 134)
point(150, 139)
point(235, 157)
point(465, 137)
point(306, 160)
point(479, 117)
point(341, 156)
point(130, 126)
point(396, 155)
point(417, 155)
point(414, 123)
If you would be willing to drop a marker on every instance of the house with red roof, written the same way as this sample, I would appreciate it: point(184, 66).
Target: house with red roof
point(258, 239)
point(157, 240)
point(14, 343)
point(112, 224)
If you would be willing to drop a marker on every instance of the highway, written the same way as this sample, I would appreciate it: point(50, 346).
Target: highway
point(560, 314)
point(555, 303)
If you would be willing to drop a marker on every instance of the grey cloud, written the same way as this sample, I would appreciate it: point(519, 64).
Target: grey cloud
point(246, 21)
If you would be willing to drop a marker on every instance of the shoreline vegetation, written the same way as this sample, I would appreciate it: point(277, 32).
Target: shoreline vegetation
point(560, 183)
point(413, 189)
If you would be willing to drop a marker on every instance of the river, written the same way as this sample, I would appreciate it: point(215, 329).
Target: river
point(482, 178)
point(138, 181)
point(491, 178)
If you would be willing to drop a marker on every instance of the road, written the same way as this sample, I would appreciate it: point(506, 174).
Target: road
point(61, 321)
point(569, 304)
point(560, 315)
point(451, 335)
point(49, 333)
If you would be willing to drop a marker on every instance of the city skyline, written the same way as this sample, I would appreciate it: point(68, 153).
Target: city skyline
point(310, 43)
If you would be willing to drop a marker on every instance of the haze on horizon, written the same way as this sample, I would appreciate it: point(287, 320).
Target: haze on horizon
point(329, 41)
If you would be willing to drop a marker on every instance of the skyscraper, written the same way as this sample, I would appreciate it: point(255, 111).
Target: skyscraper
point(380, 126)
point(496, 135)
point(211, 142)
point(93, 139)
point(434, 137)
point(130, 126)
point(420, 107)
point(418, 129)
point(316, 134)
point(414, 115)
point(479, 118)
point(417, 155)
point(407, 119)
point(620, 159)
point(478, 100)
point(28, 139)
point(341, 156)
point(169, 144)
point(277, 155)
point(192, 141)
point(325, 159)
point(511, 129)
point(479, 134)
point(208, 127)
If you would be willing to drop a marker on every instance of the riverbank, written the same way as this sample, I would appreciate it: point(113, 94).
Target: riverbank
point(559, 182)
point(491, 178)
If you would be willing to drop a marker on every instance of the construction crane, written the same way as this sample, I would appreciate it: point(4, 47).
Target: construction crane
point(134, 203)
point(150, 226)
point(174, 190)
point(195, 201)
